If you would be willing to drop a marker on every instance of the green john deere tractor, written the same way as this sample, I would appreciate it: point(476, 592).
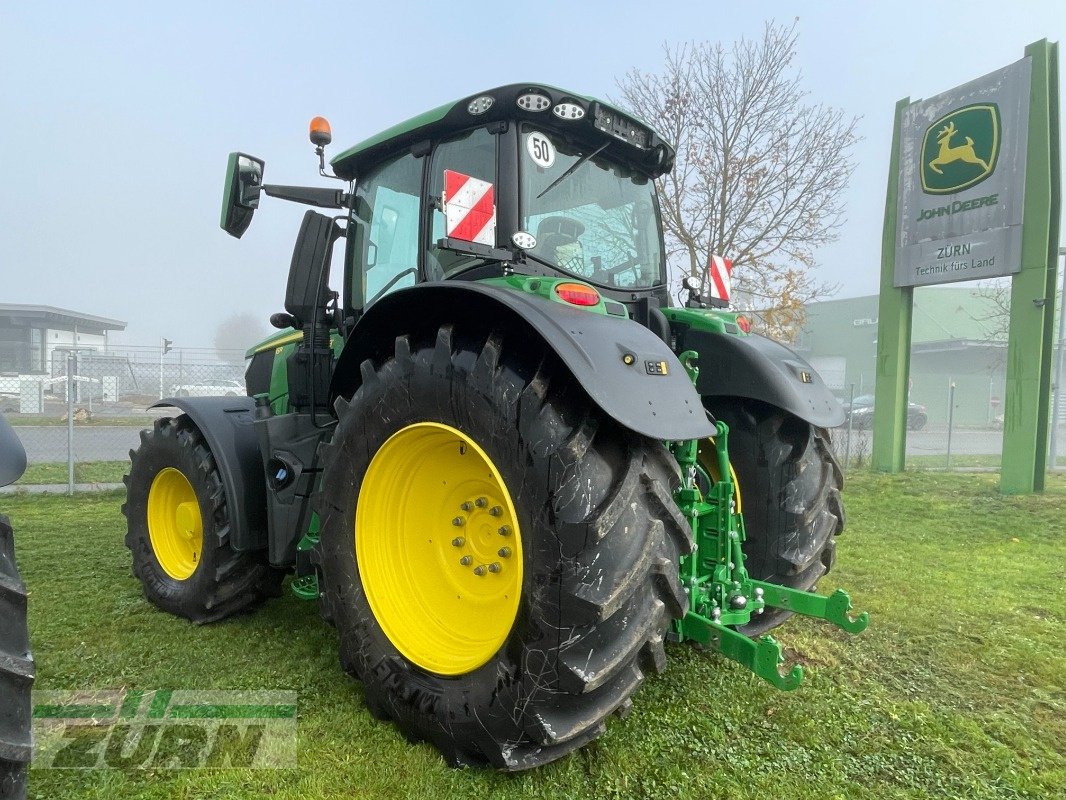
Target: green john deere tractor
point(504, 464)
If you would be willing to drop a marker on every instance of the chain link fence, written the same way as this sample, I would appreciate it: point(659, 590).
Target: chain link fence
point(954, 420)
point(79, 422)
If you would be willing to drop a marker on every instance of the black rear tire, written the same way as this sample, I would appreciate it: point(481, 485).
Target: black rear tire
point(601, 540)
point(16, 673)
point(790, 486)
point(225, 581)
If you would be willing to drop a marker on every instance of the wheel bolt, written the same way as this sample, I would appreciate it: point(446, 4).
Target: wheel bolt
point(505, 530)
point(494, 567)
point(465, 561)
point(467, 506)
point(481, 502)
point(458, 522)
point(479, 569)
point(458, 541)
point(505, 552)
point(495, 511)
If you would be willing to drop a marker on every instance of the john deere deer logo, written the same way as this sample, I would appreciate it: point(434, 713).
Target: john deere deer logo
point(960, 149)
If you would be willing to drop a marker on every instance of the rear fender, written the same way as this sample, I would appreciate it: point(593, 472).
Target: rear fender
point(758, 368)
point(625, 369)
point(226, 425)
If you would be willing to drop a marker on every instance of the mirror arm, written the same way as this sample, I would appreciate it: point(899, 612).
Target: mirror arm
point(309, 195)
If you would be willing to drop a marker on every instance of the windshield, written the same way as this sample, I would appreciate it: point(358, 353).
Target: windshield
point(598, 223)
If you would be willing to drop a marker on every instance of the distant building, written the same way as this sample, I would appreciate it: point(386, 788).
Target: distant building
point(958, 335)
point(30, 335)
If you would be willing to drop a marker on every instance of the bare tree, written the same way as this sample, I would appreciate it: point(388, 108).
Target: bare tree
point(760, 169)
point(993, 314)
point(235, 334)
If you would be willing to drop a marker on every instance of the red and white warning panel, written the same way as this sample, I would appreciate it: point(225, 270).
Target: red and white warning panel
point(469, 208)
point(720, 270)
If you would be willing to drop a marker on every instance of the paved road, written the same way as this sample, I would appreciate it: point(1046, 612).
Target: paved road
point(965, 442)
point(98, 443)
point(931, 441)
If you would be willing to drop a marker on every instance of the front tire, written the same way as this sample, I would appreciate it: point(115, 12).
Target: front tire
point(178, 529)
point(16, 673)
point(790, 486)
point(591, 516)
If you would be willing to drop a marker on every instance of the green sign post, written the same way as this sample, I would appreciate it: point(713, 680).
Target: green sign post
point(895, 306)
point(974, 193)
point(1032, 304)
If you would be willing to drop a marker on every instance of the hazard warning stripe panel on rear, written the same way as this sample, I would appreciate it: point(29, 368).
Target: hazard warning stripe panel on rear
point(720, 269)
point(469, 208)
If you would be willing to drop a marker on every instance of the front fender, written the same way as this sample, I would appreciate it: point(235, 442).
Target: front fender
point(758, 368)
point(226, 425)
point(653, 400)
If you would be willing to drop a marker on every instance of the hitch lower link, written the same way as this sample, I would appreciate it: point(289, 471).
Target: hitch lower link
point(721, 595)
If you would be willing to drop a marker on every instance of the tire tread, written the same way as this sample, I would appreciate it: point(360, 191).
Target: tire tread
point(17, 672)
point(241, 581)
point(611, 598)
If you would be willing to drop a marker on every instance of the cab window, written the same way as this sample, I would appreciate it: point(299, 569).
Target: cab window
point(385, 227)
point(472, 153)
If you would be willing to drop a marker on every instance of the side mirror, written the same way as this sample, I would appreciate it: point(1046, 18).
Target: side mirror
point(240, 195)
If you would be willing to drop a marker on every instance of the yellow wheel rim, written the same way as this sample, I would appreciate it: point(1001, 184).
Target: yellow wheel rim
point(439, 548)
point(707, 456)
point(175, 527)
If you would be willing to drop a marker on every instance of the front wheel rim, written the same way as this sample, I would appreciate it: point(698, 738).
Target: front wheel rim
point(439, 548)
point(175, 526)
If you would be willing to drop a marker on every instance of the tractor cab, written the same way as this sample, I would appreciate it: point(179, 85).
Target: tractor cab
point(517, 180)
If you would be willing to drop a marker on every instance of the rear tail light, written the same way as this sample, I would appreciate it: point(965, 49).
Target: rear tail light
point(744, 324)
point(578, 294)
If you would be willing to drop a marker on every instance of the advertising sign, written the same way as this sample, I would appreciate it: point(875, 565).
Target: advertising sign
point(962, 162)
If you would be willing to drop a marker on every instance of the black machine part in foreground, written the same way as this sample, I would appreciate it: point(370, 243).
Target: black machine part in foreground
point(16, 662)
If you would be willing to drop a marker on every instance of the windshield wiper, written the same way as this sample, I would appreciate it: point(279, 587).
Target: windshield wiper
point(570, 171)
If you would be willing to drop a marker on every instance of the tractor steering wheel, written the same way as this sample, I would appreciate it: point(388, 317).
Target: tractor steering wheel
point(610, 272)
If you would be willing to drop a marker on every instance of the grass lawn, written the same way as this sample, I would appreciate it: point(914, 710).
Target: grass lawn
point(84, 472)
point(963, 460)
point(957, 689)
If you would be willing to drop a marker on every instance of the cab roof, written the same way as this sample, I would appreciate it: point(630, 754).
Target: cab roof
point(656, 157)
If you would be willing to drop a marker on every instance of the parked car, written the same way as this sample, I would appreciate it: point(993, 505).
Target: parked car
point(219, 389)
point(861, 412)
